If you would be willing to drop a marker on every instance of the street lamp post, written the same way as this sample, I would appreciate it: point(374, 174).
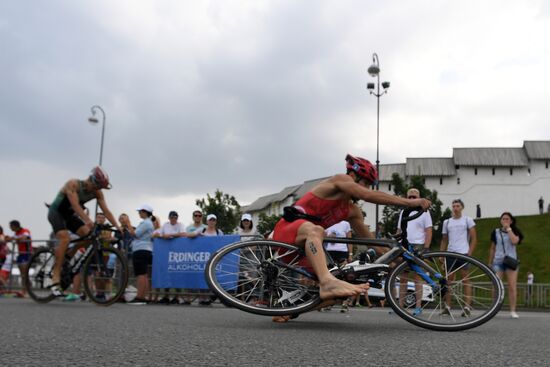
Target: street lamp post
point(374, 71)
point(93, 120)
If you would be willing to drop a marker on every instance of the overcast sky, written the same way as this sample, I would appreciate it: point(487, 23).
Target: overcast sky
point(253, 96)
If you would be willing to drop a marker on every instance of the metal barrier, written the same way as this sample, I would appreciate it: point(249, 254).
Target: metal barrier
point(10, 273)
point(536, 296)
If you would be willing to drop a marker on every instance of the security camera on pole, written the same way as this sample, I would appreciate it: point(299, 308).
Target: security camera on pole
point(374, 71)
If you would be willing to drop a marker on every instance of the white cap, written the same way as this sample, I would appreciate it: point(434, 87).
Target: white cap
point(211, 216)
point(246, 216)
point(145, 207)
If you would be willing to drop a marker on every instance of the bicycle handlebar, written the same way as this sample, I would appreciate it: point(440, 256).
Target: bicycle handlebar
point(406, 218)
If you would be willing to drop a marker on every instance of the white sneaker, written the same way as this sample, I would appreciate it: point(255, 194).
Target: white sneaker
point(514, 315)
point(57, 291)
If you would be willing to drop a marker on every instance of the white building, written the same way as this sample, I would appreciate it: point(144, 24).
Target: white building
point(496, 179)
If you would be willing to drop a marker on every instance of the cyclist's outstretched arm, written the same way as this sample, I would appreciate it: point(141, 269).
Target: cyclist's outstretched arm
point(346, 184)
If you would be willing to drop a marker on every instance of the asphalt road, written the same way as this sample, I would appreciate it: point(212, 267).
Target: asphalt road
point(62, 334)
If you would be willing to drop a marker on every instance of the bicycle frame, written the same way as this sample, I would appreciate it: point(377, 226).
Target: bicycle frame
point(92, 247)
point(396, 250)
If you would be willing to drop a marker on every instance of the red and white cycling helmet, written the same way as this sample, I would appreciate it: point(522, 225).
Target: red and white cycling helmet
point(362, 168)
point(100, 178)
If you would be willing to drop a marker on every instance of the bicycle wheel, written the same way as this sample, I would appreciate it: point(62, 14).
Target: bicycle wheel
point(263, 277)
point(105, 276)
point(467, 295)
point(39, 275)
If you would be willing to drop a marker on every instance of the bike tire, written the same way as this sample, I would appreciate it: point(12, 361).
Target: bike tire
point(484, 297)
point(105, 276)
point(39, 275)
point(263, 277)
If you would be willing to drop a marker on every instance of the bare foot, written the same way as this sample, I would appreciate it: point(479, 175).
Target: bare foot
point(280, 319)
point(285, 318)
point(335, 288)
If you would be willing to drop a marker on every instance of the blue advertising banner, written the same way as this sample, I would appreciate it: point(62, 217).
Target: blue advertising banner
point(180, 262)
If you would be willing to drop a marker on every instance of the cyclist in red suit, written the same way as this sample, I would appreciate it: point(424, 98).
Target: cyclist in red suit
point(332, 201)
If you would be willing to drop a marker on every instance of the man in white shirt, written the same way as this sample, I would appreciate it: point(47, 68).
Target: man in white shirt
point(419, 236)
point(170, 230)
point(340, 252)
point(459, 235)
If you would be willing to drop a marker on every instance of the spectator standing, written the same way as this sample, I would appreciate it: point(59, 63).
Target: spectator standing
point(3, 246)
point(459, 235)
point(504, 241)
point(154, 292)
point(478, 211)
point(541, 205)
point(142, 251)
point(341, 253)
point(22, 237)
point(246, 227)
point(105, 235)
point(210, 230)
point(530, 282)
point(124, 236)
point(247, 232)
point(380, 230)
point(193, 230)
point(5, 271)
point(211, 226)
point(4, 259)
point(197, 225)
point(170, 230)
point(419, 236)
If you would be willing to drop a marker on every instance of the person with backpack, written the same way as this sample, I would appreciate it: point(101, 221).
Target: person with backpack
point(211, 228)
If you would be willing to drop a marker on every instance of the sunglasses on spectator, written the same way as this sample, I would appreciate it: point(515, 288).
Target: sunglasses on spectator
point(412, 197)
point(197, 215)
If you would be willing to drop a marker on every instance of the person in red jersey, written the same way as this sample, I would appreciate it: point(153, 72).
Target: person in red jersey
point(22, 237)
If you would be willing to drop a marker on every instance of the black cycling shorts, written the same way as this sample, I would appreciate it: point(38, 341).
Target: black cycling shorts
point(60, 222)
point(142, 260)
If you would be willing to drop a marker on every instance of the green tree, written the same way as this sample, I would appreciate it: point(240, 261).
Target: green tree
point(266, 223)
point(390, 215)
point(224, 206)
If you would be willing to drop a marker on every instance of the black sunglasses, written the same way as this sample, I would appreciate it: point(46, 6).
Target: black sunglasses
point(412, 197)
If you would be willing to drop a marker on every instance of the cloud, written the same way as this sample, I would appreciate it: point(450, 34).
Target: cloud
point(256, 96)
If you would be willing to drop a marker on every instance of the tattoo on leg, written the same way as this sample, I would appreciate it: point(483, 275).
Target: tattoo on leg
point(312, 248)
